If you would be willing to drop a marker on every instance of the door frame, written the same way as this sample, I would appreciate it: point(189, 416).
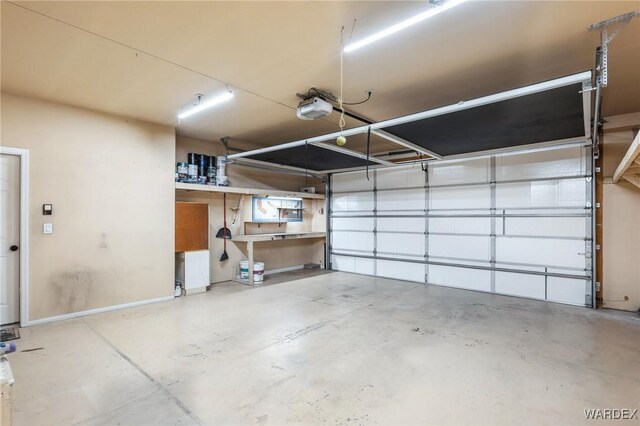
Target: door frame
point(23, 154)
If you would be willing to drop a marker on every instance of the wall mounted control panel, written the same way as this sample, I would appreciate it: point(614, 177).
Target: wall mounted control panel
point(47, 209)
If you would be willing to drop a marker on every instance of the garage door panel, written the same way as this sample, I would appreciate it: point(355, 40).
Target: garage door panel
point(546, 226)
point(401, 243)
point(541, 164)
point(571, 192)
point(566, 290)
point(355, 181)
point(352, 224)
point(472, 279)
point(356, 241)
point(401, 270)
point(359, 201)
point(568, 253)
point(460, 225)
point(460, 247)
point(462, 172)
point(562, 193)
point(466, 197)
point(353, 264)
point(408, 224)
point(402, 199)
point(521, 285)
point(400, 177)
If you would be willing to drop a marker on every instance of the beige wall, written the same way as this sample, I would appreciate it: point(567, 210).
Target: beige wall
point(621, 230)
point(110, 180)
point(275, 254)
point(621, 245)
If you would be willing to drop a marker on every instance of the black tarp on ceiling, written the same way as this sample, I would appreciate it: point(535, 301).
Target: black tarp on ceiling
point(312, 158)
point(551, 115)
point(546, 116)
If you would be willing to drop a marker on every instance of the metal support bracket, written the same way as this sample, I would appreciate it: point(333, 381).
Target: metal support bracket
point(606, 38)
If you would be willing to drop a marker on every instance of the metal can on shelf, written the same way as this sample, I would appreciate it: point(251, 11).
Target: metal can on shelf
point(182, 171)
point(211, 175)
point(203, 164)
point(193, 172)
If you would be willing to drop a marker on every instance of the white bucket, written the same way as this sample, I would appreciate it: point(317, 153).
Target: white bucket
point(244, 269)
point(258, 272)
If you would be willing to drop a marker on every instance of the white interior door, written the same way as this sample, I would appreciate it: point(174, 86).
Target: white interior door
point(9, 239)
point(516, 224)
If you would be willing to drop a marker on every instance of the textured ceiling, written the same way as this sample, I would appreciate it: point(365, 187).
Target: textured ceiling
point(147, 60)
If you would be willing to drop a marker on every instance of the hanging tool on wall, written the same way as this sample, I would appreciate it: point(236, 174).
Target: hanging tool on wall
point(237, 209)
point(224, 232)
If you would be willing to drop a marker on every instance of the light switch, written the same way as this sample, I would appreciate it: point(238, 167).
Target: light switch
point(47, 228)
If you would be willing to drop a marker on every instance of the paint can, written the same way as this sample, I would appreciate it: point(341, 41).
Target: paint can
point(244, 269)
point(258, 272)
point(192, 174)
point(203, 165)
point(182, 170)
point(211, 175)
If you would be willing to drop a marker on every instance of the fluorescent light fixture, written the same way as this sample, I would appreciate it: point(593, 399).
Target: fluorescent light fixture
point(402, 25)
point(207, 104)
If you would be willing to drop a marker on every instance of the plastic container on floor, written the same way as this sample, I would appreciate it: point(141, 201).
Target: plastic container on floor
point(244, 269)
point(258, 272)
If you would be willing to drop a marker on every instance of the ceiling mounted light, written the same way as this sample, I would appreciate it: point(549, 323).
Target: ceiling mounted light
point(402, 25)
point(207, 104)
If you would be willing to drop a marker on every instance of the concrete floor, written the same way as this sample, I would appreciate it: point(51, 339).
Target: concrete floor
point(330, 349)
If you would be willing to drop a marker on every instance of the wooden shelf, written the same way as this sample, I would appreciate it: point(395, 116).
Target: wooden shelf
point(245, 191)
point(278, 237)
point(629, 168)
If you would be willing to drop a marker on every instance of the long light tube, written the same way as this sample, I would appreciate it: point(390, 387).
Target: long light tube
point(204, 105)
point(402, 25)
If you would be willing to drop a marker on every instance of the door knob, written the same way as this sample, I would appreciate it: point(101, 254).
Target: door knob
point(13, 248)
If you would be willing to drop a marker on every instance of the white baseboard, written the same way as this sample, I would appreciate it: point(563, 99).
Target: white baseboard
point(96, 311)
point(286, 269)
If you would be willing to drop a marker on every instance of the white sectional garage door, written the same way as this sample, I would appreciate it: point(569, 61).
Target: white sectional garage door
point(517, 224)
